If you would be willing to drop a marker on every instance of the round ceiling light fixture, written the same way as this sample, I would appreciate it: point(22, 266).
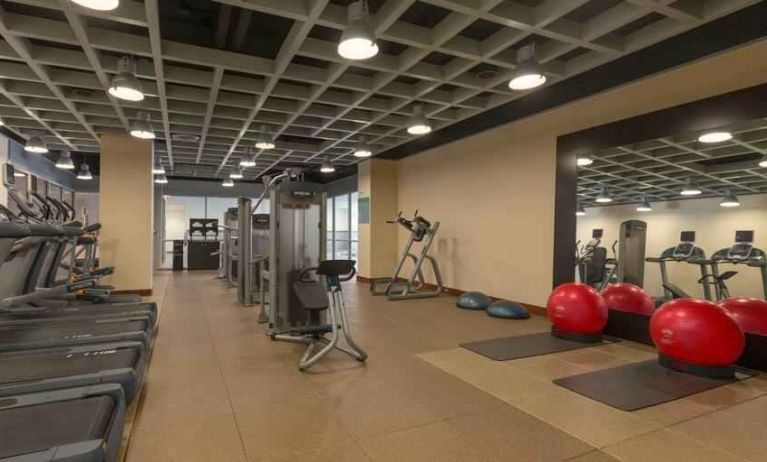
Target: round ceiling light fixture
point(158, 168)
point(418, 124)
point(584, 161)
point(249, 159)
point(236, 175)
point(161, 179)
point(65, 161)
point(141, 127)
point(98, 5)
point(358, 40)
point(327, 167)
point(228, 182)
point(604, 196)
point(729, 200)
point(85, 172)
point(579, 210)
point(125, 85)
point(763, 162)
point(363, 149)
point(690, 188)
point(715, 137)
point(529, 73)
point(35, 145)
point(265, 139)
point(644, 205)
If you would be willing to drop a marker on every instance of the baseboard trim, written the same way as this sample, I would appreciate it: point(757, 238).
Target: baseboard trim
point(458, 292)
point(142, 292)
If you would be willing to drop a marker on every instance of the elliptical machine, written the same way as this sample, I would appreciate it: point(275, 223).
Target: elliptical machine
point(594, 267)
point(395, 288)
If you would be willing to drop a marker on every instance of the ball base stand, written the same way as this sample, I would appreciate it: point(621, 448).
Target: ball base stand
point(595, 337)
point(711, 372)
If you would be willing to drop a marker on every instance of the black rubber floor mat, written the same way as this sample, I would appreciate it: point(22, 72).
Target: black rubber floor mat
point(640, 385)
point(524, 346)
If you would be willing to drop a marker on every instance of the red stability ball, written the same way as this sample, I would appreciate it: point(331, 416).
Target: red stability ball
point(751, 314)
point(697, 332)
point(628, 297)
point(577, 308)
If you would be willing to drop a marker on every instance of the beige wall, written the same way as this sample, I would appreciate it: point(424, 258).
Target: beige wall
point(377, 179)
point(715, 228)
point(126, 209)
point(494, 192)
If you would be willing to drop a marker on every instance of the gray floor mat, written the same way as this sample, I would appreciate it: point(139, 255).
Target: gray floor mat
point(506, 348)
point(640, 385)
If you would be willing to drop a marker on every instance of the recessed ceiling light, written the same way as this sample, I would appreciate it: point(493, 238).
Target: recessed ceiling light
point(125, 85)
point(100, 5)
point(715, 137)
point(583, 161)
point(35, 145)
point(418, 124)
point(358, 41)
point(529, 73)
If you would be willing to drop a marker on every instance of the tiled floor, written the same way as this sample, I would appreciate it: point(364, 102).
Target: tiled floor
point(219, 390)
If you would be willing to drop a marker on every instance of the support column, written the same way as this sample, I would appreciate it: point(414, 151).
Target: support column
point(378, 249)
point(126, 208)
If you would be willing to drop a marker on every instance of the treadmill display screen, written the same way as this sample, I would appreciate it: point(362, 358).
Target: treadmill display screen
point(744, 236)
point(596, 234)
point(687, 236)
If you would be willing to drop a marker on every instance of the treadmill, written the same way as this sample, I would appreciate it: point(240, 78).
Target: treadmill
point(75, 424)
point(129, 327)
point(742, 252)
point(685, 251)
point(22, 294)
point(82, 423)
point(43, 209)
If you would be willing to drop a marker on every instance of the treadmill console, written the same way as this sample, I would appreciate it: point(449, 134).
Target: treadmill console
point(686, 245)
point(597, 234)
point(743, 246)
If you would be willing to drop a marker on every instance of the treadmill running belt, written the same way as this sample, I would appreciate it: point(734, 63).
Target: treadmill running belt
point(53, 332)
point(23, 368)
point(39, 427)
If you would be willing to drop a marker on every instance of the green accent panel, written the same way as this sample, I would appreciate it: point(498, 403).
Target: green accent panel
point(363, 210)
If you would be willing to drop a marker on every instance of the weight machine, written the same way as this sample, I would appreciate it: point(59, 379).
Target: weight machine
point(394, 287)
